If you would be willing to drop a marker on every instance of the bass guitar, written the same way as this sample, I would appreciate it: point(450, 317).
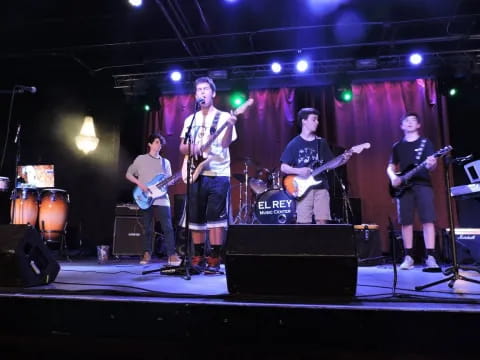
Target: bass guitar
point(411, 171)
point(198, 163)
point(297, 186)
point(157, 187)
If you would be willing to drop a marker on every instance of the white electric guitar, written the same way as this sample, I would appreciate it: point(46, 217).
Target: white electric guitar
point(297, 186)
point(198, 163)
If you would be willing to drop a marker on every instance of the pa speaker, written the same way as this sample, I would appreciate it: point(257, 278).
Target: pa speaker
point(294, 260)
point(128, 235)
point(24, 258)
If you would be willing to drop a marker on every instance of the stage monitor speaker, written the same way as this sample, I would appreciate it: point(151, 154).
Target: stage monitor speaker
point(128, 236)
point(24, 258)
point(293, 260)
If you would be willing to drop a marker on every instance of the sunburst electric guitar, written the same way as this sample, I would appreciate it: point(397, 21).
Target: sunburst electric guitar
point(198, 163)
point(409, 172)
point(297, 186)
point(157, 187)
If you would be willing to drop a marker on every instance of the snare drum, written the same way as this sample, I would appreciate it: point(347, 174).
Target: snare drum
point(24, 206)
point(53, 211)
point(275, 207)
point(4, 182)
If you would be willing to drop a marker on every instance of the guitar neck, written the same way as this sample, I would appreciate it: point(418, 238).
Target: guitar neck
point(332, 164)
point(174, 178)
point(415, 170)
point(213, 137)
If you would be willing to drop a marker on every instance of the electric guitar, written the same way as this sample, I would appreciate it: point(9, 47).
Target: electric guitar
point(297, 186)
point(409, 172)
point(199, 162)
point(157, 188)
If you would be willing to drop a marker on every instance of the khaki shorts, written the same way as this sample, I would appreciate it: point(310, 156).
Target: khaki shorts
point(316, 202)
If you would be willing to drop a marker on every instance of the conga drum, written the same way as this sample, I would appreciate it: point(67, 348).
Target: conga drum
point(24, 206)
point(4, 182)
point(52, 214)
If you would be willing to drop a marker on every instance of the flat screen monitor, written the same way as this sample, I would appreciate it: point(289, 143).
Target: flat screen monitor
point(473, 171)
point(37, 175)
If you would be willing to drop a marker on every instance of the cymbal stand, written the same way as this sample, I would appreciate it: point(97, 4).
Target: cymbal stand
point(243, 207)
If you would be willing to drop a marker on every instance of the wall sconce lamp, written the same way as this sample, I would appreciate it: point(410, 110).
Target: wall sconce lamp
point(87, 140)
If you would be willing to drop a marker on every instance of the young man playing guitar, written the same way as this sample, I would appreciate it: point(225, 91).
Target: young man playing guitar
point(208, 203)
point(301, 154)
point(410, 151)
point(143, 169)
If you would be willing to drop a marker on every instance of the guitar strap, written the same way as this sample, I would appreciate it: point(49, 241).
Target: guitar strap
point(213, 128)
point(420, 152)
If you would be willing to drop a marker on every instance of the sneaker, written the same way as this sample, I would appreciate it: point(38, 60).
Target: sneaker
point(213, 265)
point(198, 263)
point(431, 263)
point(174, 260)
point(146, 258)
point(407, 263)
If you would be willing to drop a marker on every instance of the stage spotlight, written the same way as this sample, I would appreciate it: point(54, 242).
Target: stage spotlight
point(343, 90)
point(135, 3)
point(176, 76)
point(237, 98)
point(276, 67)
point(449, 86)
point(146, 107)
point(302, 66)
point(415, 59)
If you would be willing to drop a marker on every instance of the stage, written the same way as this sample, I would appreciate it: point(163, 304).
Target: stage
point(113, 310)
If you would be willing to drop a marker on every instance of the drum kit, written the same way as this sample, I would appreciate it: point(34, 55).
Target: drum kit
point(267, 203)
point(47, 206)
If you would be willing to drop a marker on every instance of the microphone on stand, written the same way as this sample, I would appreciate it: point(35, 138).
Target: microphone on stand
point(200, 101)
point(22, 89)
point(461, 159)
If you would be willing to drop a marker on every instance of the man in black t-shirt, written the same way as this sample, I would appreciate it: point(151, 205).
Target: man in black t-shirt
point(412, 150)
point(302, 154)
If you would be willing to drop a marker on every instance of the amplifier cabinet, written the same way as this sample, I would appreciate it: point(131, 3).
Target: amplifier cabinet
point(467, 242)
point(128, 235)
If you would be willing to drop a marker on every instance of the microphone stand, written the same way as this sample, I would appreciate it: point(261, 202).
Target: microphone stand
point(346, 206)
point(188, 256)
point(13, 196)
point(453, 271)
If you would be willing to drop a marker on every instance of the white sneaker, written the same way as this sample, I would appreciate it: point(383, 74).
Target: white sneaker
point(431, 262)
point(407, 263)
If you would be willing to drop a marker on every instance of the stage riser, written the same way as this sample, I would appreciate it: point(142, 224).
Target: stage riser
point(125, 324)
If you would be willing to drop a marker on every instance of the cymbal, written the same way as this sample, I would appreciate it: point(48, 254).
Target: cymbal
point(247, 160)
point(239, 177)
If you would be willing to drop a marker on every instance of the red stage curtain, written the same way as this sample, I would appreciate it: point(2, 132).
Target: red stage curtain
point(373, 116)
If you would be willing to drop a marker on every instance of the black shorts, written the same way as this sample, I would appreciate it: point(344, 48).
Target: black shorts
point(418, 197)
point(209, 203)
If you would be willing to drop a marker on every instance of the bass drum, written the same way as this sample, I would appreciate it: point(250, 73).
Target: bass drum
point(24, 206)
point(275, 207)
point(53, 211)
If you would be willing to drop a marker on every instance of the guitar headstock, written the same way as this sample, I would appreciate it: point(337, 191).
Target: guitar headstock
point(357, 149)
point(443, 151)
point(241, 109)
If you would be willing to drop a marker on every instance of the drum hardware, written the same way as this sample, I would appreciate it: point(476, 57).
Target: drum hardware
point(244, 207)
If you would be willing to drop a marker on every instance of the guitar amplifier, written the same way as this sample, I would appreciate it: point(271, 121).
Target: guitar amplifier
point(467, 242)
point(128, 235)
point(127, 209)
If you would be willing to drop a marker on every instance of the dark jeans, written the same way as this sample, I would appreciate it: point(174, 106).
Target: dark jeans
point(163, 215)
